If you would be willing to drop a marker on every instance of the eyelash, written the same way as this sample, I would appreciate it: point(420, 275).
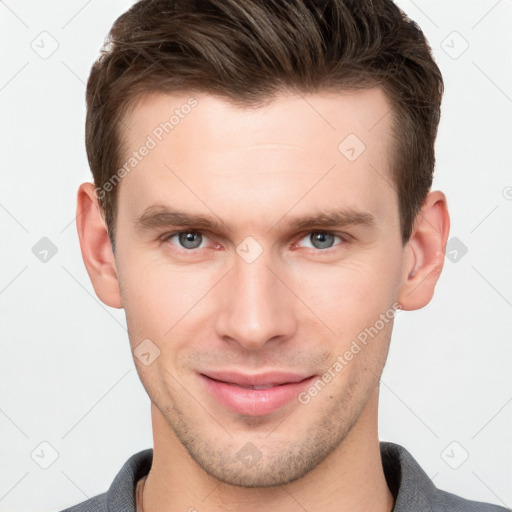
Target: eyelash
point(345, 239)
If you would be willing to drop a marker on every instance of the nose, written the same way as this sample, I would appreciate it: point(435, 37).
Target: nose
point(255, 307)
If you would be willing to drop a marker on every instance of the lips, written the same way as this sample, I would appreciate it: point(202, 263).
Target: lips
point(268, 379)
point(254, 395)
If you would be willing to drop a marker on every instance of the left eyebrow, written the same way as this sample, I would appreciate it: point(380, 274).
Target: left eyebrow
point(334, 218)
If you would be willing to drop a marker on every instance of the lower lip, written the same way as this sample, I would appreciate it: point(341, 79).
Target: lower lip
point(254, 402)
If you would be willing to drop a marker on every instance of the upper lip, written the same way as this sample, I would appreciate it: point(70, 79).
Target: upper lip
point(275, 378)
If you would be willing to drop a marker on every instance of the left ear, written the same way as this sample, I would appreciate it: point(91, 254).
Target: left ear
point(424, 252)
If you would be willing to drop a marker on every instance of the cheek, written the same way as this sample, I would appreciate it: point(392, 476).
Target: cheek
point(348, 296)
point(156, 295)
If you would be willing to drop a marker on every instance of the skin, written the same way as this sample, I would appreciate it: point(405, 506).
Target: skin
point(295, 308)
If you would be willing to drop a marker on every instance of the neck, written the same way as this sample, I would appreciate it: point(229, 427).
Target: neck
point(350, 478)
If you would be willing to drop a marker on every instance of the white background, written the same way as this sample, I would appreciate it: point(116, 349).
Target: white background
point(67, 375)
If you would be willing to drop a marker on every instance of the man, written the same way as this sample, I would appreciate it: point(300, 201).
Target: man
point(261, 209)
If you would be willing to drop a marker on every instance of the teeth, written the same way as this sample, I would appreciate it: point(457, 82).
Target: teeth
point(263, 386)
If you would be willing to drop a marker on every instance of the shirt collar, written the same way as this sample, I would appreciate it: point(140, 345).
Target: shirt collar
point(410, 485)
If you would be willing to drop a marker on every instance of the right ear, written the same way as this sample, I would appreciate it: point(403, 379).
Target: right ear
point(96, 247)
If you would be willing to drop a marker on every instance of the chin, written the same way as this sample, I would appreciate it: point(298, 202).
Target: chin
point(262, 463)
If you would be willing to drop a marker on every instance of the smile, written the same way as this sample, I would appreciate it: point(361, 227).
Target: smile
point(254, 395)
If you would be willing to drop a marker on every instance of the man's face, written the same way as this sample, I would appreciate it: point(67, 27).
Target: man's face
point(257, 298)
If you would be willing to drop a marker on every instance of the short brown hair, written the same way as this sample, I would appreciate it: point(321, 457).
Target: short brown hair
point(248, 52)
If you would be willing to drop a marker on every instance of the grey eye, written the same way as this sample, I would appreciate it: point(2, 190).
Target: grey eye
point(190, 240)
point(322, 240)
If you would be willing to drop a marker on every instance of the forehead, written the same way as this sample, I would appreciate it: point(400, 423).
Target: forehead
point(358, 112)
point(207, 153)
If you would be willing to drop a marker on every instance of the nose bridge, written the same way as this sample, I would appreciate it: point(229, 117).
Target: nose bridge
point(255, 308)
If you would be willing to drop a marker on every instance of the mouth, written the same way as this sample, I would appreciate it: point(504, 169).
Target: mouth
point(254, 395)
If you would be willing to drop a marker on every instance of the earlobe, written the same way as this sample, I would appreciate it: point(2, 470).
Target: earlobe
point(424, 258)
point(96, 247)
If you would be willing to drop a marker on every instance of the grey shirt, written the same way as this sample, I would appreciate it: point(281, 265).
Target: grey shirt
point(411, 487)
